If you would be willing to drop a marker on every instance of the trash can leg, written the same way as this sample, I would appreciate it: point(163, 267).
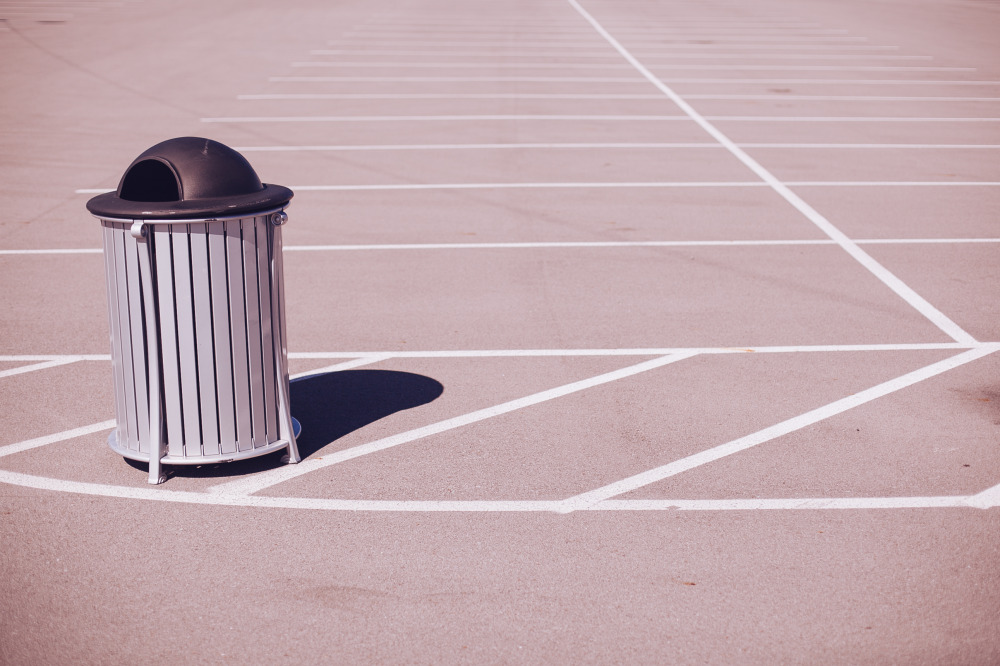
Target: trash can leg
point(156, 444)
point(277, 316)
point(286, 429)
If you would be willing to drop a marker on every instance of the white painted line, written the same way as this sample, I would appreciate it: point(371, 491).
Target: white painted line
point(891, 183)
point(552, 245)
point(827, 82)
point(457, 65)
point(884, 275)
point(812, 68)
point(264, 480)
point(340, 64)
point(455, 79)
point(567, 41)
point(780, 97)
point(161, 494)
point(407, 119)
point(778, 430)
point(987, 499)
point(516, 186)
point(411, 96)
point(619, 79)
point(663, 351)
point(44, 365)
point(561, 49)
point(502, 32)
point(626, 185)
point(11, 449)
point(520, 353)
point(592, 118)
point(846, 119)
point(603, 244)
point(87, 250)
point(812, 504)
point(878, 146)
point(346, 365)
point(18, 358)
point(587, 146)
point(609, 56)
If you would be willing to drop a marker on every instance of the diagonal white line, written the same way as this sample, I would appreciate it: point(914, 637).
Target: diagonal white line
point(57, 437)
point(346, 365)
point(592, 497)
point(278, 475)
point(883, 274)
point(39, 366)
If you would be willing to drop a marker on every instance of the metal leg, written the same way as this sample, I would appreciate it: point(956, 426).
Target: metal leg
point(286, 430)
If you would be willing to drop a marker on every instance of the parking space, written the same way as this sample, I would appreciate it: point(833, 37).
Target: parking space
point(647, 332)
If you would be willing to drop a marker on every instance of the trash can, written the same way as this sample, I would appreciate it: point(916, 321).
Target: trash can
point(192, 249)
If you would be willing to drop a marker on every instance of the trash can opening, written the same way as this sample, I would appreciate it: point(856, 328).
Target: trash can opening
point(150, 180)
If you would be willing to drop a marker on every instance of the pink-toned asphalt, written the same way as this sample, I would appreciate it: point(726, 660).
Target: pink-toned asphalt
point(471, 271)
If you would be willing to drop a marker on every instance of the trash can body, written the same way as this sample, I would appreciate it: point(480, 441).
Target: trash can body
point(219, 338)
point(196, 313)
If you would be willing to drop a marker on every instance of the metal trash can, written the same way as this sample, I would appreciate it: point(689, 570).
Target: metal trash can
point(192, 248)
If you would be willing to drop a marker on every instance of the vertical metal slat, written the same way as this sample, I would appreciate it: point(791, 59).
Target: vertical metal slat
point(136, 328)
point(129, 428)
point(220, 328)
point(264, 230)
point(238, 335)
point(114, 320)
point(255, 362)
point(168, 341)
point(201, 283)
point(184, 302)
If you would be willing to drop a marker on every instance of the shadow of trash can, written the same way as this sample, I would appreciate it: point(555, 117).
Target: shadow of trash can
point(192, 249)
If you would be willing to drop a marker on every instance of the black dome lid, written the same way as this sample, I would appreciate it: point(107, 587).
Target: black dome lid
point(189, 178)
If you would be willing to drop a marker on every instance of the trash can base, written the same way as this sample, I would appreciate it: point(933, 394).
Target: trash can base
point(198, 460)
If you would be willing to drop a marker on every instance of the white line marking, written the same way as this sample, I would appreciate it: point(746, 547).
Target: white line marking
point(890, 280)
point(595, 66)
point(985, 500)
point(395, 119)
point(812, 503)
point(779, 97)
point(847, 119)
point(587, 146)
point(412, 96)
point(561, 49)
point(608, 56)
point(618, 79)
point(458, 65)
point(663, 351)
point(812, 68)
point(264, 480)
point(452, 79)
point(591, 118)
point(39, 366)
point(608, 244)
point(692, 184)
point(15, 358)
point(649, 351)
point(778, 430)
point(11, 449)
point(738, 42)
point(346, 365)
point(87, 250)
